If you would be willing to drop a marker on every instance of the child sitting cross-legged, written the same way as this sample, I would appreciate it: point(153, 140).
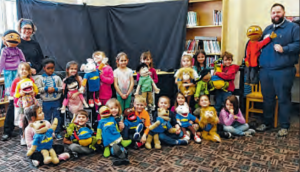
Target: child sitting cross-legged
point(232, 118)
point(80, 136)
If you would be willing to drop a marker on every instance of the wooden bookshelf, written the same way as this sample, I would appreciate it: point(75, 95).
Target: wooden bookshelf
point(206, 27)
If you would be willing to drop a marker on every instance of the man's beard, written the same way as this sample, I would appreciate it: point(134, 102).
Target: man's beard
point(279, 21)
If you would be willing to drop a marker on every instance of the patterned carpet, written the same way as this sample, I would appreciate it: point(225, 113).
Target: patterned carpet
point(260, 153)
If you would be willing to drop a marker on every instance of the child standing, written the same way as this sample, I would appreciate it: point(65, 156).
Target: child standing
point(228, 74)
point(106, 77)
point(50, 88)
point(115, 108)
point(123, 80)
point(187, 62)
point(200, 61)
point(166, 137)
point(232, 118)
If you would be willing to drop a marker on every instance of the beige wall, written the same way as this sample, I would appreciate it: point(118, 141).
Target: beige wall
point(243, 13)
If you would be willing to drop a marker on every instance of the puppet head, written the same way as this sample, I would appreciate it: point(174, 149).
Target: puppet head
point(89, 67)
point(186, 73)
point(39, 126)
point(254, 33)
point(11, 38)
point(71, 83)
point(26, 86)
point(205, 75)
point(209, 116)
point(129, 113)
point(182, 110)
point(104, 112)
point(163, 114)
point(143, 69)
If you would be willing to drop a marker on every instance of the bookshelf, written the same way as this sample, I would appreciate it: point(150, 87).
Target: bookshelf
point(205, 21)
point(2, 104)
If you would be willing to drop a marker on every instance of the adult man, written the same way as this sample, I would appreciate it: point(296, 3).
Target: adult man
point(277, 71)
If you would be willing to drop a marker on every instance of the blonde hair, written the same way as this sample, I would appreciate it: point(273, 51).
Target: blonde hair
point(190, 58)
point(119, 56)
point(145, 55)
point(116, 102)
point(99, 52)
point(140, 99)
point(27, 67)
point(82, 112)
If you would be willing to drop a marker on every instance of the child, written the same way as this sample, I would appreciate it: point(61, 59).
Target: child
point(72, 70)
point(123, 80)
point(32, 114)
point(23, 73)
point(187, 62)
point(139, 107)
point(180, 100)
point(200, 61)
point(50, 88)
point(166, 137)
point(106, 77)
point(146, 57)
point(81, 118)
point(115, 108)
point(232, 118)
point(228, 74)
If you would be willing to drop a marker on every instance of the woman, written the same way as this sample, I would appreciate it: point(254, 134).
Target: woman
point(34, 55)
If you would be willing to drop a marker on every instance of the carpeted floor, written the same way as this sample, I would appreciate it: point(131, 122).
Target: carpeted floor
point(260, 153)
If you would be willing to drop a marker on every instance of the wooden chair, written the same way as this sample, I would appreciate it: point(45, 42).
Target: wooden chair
point(256, 96)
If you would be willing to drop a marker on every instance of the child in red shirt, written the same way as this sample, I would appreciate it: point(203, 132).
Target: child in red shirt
point(228, 74)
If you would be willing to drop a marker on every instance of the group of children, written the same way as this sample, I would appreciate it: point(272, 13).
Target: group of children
point(119, 124)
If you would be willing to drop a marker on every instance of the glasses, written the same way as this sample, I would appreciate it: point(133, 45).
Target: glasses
point(26, 28)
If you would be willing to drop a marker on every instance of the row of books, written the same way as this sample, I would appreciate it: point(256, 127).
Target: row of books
point(217, 17)
point(192, 19)
point(211, 60)
point(209, 46)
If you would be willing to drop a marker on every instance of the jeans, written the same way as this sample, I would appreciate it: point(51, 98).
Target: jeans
point(236, 129)
point(252, 75)
point(277, 83)
point(9, 119)
point(169, 138)
point(51, 111)
point(220, 99)
point(125, 103)
point(74, 147)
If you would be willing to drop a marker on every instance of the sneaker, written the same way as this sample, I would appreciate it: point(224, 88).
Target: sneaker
point(35, 163)
point(282, 132)
point(186, 137)
point(58, 136)
point(262, 128)
point(5, 137)
point(188, 133)
point(91, 103)
point(118, 151)
point(197, 139)
point(138, 130)
point(247, 133)
point(252, 132)
point(23, 142)
point(97, 101)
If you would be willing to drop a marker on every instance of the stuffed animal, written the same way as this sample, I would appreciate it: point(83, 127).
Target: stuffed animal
point(186, 76)
point(92, 77)
point(208, 123)
point(253, 51)
point(76, 103)
point(11, 56)
point(82, 135)
point(109, 134)
point(161, 125)
point(43, 140)
point(133, 124)
point(216, 82)
point(146, 84)
point(183, 117)
point(202, 84)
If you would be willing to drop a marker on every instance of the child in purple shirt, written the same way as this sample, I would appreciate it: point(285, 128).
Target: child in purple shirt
point(232, 118)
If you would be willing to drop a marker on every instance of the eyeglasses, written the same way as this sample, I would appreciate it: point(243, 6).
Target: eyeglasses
point(27, 28)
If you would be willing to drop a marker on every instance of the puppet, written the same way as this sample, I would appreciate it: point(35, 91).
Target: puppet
point(91, 77)
point(43, 140)
point(186, 76)
point(133, 124)
point(202, 83)
point(216, 82)
point(161, 125)
point(208, 122)
point(146, 84)
point(73, 104)
point(253, 51)
point(109, 134)
point(11, 56)
point(183, 117)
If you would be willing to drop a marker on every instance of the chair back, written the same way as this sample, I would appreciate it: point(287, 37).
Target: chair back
point(256, 88)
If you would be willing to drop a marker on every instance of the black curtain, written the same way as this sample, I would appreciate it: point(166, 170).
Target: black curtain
point(73, 32)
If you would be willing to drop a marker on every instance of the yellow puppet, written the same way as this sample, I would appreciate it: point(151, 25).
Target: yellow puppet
point(208, 122)
point(186, 76)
